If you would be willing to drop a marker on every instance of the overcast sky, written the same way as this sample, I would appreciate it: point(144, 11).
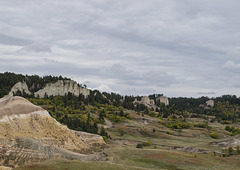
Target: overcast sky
point(174, 47)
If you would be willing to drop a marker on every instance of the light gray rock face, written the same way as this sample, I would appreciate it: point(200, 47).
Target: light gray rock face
point(164, 100)
point(21, 86)
point(210, 103)
point(233, 141)
point(62, 87)
point(146, 101)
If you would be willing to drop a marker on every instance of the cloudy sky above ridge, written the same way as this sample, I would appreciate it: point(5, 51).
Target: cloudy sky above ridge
point(174, 47)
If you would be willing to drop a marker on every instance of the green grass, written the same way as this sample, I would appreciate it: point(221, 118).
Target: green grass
point(62, 164)
point(129, 157)
point(154, 164)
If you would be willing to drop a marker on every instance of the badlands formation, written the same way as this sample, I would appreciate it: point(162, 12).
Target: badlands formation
point(61, 87)
point(29, 134)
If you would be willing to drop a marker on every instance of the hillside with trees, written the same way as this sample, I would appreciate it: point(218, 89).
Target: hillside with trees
point(146, 129)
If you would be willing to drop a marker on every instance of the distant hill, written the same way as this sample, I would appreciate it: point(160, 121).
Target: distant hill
point(34, 86)
point(34, 82)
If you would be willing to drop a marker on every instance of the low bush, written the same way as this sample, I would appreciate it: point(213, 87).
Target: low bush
point(148, 143)
point(214, 135)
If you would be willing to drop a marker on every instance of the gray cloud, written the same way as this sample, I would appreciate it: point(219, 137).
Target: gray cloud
point(159, 78)
point(230, 65)
point(118, 69)
point(206, 93)
point(177, 47)
point(10, 40)
point(37, 47)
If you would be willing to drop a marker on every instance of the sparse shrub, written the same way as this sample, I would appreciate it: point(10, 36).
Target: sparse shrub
point(148, 143)
point(230, 149)
point(127, 115)
point(226, 122)
point(179, 130)
point(174, 124)
point(201, 125)
point(121, 131)
point(121, 113)
point(155, 147)
point(139, 145)
point(104, 138)
point(154, 130)
point(233, 130)
point(214, 135)
point(103, 132)
point(153, 114)
point(205, 133)
point(170, 133)
point(238, 149)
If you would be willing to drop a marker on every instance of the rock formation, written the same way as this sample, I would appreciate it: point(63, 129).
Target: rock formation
point(233, 141)
point(210, 103)
point(146, 101)
point(20, 86)
point(163, 99)
point(62, 87)
point(21, 121)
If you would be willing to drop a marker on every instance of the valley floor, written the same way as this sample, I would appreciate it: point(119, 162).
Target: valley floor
point(181, 149)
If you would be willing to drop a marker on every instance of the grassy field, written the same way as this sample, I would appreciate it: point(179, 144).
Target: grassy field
point(125, 157)
point(123, 154)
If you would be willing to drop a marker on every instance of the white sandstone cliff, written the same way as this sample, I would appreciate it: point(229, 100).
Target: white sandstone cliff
point(20, 86)
point(62, 87)
point(163, 99)
point(146, 101)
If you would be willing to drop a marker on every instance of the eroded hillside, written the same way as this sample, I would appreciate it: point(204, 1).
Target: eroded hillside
point(29, 131)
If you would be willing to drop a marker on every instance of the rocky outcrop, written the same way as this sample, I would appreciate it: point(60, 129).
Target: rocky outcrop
point(210, 103)
point(62, 87)
point(146, 101)
point(95, 141)
point(29, 150)
point(163, 99)
point(20, 86)
point(21, 120)
point(234, 141)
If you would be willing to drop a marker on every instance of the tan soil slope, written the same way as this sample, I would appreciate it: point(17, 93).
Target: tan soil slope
point(21, 119)
point(16, 106)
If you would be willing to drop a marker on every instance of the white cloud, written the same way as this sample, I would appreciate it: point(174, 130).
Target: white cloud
point(231, 66)
point(118, 69)
point(159, 78)
point(130, 46)
point(37, 48)
point(206, 93)
point(104, 88)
